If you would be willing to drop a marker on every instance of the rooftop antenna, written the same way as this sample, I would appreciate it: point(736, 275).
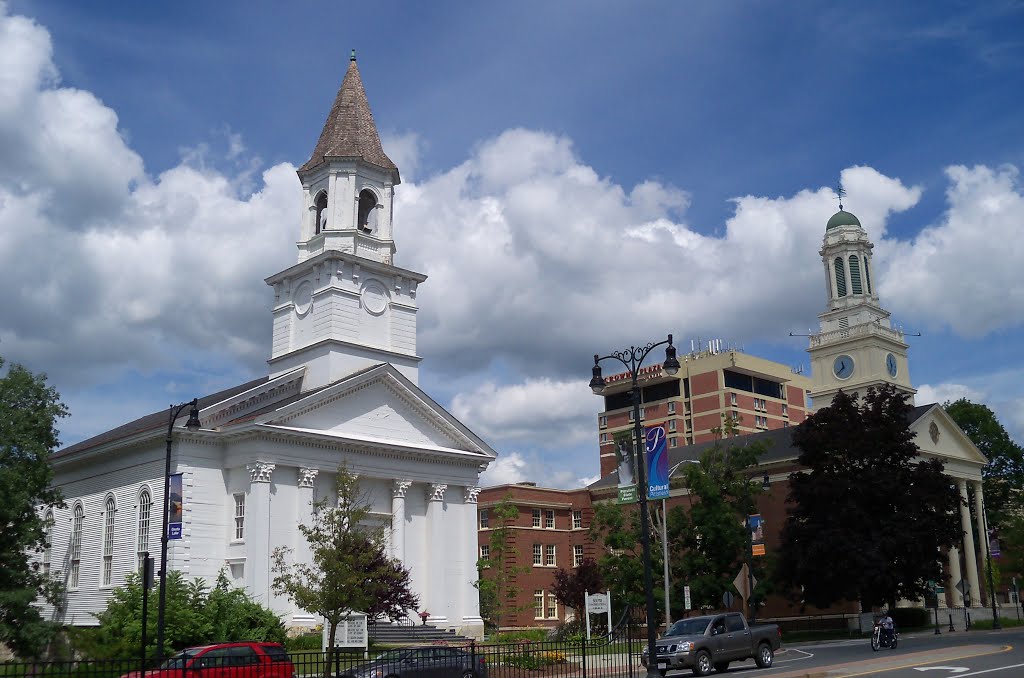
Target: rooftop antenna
point(840, 193)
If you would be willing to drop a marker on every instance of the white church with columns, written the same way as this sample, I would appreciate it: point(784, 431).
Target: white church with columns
point(341, 389)
point(857, 348)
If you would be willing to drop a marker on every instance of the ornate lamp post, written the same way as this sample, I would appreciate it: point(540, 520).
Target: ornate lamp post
point(192, 425)
point(766, 484)
point(991, 577)
point(632, 358)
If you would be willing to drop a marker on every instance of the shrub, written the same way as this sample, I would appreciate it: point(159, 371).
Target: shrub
point(304, 641)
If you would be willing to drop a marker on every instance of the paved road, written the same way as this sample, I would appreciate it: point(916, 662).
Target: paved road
point(995, 654)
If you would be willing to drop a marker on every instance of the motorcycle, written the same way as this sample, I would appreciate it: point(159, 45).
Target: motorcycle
point(880, 639)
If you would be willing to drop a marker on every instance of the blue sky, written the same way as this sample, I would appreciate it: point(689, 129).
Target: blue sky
point(577, 177)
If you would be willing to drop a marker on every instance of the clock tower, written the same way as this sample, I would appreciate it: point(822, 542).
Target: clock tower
point(345, 306)
point(856, 347)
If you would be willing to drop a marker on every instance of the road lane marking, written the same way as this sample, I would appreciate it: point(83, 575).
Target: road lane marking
point(954, 669)
point(998, 668)
point(1004, 648)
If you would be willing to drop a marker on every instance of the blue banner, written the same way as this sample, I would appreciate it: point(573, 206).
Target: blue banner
point(657, 462)
point(174, 505)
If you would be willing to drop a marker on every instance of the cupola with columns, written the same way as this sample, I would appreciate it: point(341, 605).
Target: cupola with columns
point(857, 347)
point(345, 306)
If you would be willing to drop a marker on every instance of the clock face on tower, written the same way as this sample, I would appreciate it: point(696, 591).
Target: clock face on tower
point(890, 364)
point(843, 367)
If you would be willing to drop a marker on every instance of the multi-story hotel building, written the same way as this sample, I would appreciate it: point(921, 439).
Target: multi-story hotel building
point(712, 383)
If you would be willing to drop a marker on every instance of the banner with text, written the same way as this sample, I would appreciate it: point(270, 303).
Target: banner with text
point(657, 462)
point(756, 534)
point(174, 507)
point(624, 458)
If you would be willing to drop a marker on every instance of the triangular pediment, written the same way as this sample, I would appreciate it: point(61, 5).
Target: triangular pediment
point(378, 405)
point(937, 435)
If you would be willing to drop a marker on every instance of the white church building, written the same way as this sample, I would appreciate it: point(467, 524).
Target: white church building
point(341, 388)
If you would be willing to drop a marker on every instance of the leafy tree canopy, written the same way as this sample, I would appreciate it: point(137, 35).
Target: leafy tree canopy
point(195, 615)
point(570, 586)
point(1004, 474)
point(29, 410)
point(350, 569)
point(867, 500)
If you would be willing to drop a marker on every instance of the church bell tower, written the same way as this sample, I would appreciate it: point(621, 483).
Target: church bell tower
point(856, 347)
point(345, 306)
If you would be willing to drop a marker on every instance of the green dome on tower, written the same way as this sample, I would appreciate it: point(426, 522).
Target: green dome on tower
point(842, 218)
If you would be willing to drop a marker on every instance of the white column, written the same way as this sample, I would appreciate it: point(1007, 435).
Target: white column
point(979, 520)
point(954, 577)
point(970, 553)
point(257, 532)
point(436, 598)
point(398, 491)
point(472, 622)
point(304, 512)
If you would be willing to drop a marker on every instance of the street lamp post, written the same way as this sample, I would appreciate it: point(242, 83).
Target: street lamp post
point(632, 358)
point(991, 577)
point(192, 425)
point(751, 609)
point(664, 542)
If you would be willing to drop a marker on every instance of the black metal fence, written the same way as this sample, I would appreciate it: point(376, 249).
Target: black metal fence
point(614, 655)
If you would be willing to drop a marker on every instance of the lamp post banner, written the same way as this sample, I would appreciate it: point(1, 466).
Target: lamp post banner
point(756, 534)
point(624, 458)
point(657, 462)
point(993, 543)
point(174, 508)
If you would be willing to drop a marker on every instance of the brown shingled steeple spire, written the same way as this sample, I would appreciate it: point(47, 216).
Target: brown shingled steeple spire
point(350, 131)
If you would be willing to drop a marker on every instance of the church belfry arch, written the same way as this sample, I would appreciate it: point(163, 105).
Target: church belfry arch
point(321, 216)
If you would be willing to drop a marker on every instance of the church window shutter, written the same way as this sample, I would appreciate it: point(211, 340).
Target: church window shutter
point(867, 274)
point(855, 274)
point(76, 545)
point(47, 539)
point(840, 277)
point(108, 541)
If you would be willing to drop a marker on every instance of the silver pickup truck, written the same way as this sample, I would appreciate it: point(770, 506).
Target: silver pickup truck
point(713, 641)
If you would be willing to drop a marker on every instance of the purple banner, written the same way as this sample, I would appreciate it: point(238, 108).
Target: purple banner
point(174, 506)
point(657, 463)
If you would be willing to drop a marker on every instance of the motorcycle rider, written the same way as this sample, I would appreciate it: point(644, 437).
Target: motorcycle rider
point(888, 626)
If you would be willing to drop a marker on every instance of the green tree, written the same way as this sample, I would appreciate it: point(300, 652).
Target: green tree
point(570, 586)
point(29, 410)
point(1004, 475)
point(868, 499)
point(497, 574)
point(712, 535)
point(195, 615)
point(350, 570)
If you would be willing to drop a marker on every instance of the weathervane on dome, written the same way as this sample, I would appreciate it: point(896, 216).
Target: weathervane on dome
point(840, 192)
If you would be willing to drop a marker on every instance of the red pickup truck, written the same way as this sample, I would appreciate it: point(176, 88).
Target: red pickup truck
point(225, 660)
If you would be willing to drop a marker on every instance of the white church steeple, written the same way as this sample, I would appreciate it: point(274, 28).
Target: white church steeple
point(857, 346)
point(345, 306)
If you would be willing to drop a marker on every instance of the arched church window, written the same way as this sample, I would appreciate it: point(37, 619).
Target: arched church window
point(145, 511)
point(367, 203)
point(840, 277)
point(321, 212)
point(855, 274)
point(867, 273)
point(108, 541)
point(76, 545)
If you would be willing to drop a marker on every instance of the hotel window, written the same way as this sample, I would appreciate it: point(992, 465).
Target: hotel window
point(671, 425)
point(76, 545)
point(785, 410)
point(672, 408)
point(606, 438)
point(549, 519)
point(577, 555)
point(689, 425)
point(632, 418)
point(145, 510)
point(672, 442)
point(485, 555)
point(536, 517)
point(47, 535)
point(643, 413)
point(602, 421)
point(108, 541)
point(552, 606)
point(549, 555)
point(577, 520)
point(785, 424)
point(538, 604)
point(484, 520)
point(732, 398)
point(239, 516)
point(537, 558)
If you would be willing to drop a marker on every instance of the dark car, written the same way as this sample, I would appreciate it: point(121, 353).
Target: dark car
point(226, 660)
point(435, 661)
